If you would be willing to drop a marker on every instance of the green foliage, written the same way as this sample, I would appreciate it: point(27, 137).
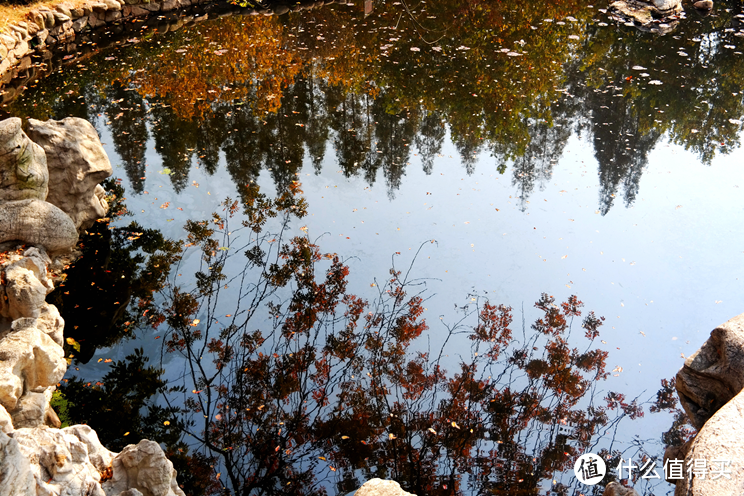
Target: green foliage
point(61, 406)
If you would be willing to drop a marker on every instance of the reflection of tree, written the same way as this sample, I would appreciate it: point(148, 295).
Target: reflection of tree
point(127, 116)
point(109, 290)
point(270, 90)
point(429, 139)
point(535, 166)
point(303, 384)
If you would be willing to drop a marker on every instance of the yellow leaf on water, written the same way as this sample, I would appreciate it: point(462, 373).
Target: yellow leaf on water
point(454, 424)
point(126, 433)
point(392, 436)
point(432, 431)
point(344, 437)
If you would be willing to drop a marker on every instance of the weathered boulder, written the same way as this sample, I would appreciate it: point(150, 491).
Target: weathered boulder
point(15, 470)
point(145, 468)
point(714, 374)
point(23, 167)
point(720, 446)
point(37, 222)
point(60, 461)
point(703, 4)
point(380, 487)
point(27, 285)
point(77, 162)
point(30, 411)
point(6, 423)
point(29, 361)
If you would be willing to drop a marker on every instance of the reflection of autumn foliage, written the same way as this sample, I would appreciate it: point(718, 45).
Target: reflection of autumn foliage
point(303, 384)
point(235, 59)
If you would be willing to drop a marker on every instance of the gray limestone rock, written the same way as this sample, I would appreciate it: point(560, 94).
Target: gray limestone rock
point(59, 461)
point(29, 361)
point(23, 167)
point(143, 467)
point(720, 446)
point(644, 12)
point(77, 162)
point(27, 285)
point(37, 222)
point(714, 374)
point(15, 469)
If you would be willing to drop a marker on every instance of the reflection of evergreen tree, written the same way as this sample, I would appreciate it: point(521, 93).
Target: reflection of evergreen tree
point(535, 166)
point(175, 141)
point(242, 154)
point(212, 132)
point(394, 133)
point(314, 117)
point(351, 119)
point(468, 146)
point(621, 149)
point(282, 136)
point(429, 139)
point(127, 116)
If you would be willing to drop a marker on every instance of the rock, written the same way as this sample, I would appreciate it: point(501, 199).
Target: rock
point(60, 461)
point(77, 162)
point(99, 457)
point(703, 4)
point(27, 285)
point(6, 426)
point(29, 361)
point(379, 487)
point(720, 440)
point(714, 374)
point(615, 489)
point(80, 24)
point(23, 166)
point(30, 411)
point(51, 323)
point(145, 468)
point(15, 470)
point(37, 222)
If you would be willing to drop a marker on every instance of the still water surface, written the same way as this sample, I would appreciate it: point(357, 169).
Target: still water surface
point(542, 147)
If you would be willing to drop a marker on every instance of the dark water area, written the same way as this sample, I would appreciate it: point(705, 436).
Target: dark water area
point(501, 157)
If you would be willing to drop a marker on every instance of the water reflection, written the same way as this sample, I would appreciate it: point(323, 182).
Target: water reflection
point(267, 95)
point(304, 388)
point(108, 291)
point(270, 93)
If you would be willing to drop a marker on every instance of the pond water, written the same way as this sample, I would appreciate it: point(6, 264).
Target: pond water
point(517, 149)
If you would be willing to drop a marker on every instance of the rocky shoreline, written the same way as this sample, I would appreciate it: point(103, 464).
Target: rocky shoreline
point(38, 233)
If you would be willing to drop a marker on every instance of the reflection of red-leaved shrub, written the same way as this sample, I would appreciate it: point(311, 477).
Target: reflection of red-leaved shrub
point(302, 383)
